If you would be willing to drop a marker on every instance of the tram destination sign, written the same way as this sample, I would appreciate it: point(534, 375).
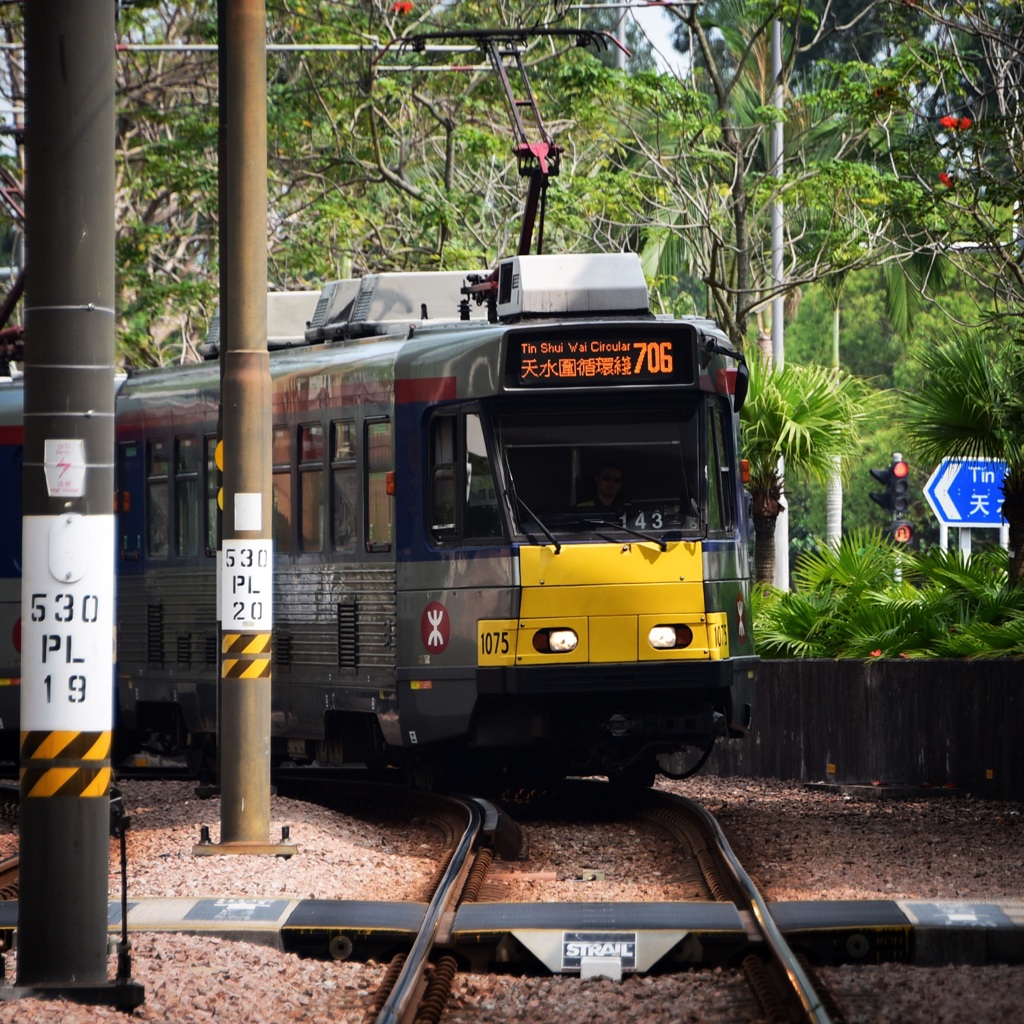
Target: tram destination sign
point(582, 360)
point(967, 492)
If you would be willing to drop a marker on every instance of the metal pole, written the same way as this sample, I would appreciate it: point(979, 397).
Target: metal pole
point(964, 542)
point(620, 35)
point(778, 280)
point(225, 326)
point(246, 580)
point(68, 524)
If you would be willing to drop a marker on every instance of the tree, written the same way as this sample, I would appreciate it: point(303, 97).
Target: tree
point(949, 120)
point(806, 415)
point(378, 158)
point(375, 168)
point(970, 404)
point(700, 148)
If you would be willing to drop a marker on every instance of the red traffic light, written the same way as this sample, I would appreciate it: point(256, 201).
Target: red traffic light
point(896, 478)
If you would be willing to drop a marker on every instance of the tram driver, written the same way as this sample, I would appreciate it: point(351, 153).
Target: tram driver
point(608, 489)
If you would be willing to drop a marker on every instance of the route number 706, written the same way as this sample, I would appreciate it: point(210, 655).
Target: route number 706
point(653, 356)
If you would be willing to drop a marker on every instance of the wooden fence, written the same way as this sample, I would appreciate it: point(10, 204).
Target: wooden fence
point(914, 722)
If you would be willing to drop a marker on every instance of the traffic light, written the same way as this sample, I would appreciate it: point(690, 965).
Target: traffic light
point(895, 497)
point(898, 483)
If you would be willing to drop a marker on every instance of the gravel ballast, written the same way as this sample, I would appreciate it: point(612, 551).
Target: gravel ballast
point(799, 844)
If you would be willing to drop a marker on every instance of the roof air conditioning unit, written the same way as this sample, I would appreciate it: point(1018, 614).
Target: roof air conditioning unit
point(571, 285)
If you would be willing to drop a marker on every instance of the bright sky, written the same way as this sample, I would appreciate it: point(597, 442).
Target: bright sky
point(658, 25)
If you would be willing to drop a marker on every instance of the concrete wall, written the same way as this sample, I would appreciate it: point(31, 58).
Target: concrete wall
point(913, 722)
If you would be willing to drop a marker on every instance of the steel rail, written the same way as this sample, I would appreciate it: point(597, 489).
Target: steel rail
point(9, 878)
point(782, 955)
point(405, 989)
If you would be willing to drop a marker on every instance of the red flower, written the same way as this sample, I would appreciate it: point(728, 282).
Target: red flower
point(876, 654)
point(401, 7)
point(946, 180)
point(958, 124)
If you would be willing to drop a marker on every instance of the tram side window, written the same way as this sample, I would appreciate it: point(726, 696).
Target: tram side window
point(442, 477)
point(311, 484)
point(211, 489)
point(344, 485)
point(380, 481)
point(157, 499)
point(721, 495)
point(186, 497)
point(282, 456)
point(463, 499)
point(482, 516)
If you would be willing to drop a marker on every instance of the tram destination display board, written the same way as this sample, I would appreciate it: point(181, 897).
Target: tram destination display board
point(593, 359)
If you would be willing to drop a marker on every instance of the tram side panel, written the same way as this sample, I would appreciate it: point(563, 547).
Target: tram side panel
point(335, 620)
point(166, 563)
point(11, 438)
point(454, 557)
point(726, 556)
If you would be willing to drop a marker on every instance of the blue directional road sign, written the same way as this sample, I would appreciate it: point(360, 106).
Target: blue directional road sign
point(967, 492)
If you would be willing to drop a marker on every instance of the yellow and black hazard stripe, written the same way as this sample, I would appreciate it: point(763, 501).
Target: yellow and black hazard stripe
point(65, 763)
point(245, 656)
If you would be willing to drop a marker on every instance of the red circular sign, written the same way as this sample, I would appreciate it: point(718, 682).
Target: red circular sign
point(903, 533)
point(435, 627)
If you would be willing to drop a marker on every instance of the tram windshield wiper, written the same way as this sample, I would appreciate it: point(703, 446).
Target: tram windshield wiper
point(533, 515)
point(660, 541)
point(520, 504)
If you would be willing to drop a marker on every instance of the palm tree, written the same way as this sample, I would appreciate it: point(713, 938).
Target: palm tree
point(970, 404)
point(868, 597)
point(805, 415)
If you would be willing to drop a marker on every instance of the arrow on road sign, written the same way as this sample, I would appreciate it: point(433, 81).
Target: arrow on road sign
point(948, 477)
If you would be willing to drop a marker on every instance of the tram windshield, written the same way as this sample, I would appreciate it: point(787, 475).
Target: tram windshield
point(590, 470)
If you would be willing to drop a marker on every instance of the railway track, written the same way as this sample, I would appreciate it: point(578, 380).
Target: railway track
point(780, 980)
point(417, 984)
point(445, 945)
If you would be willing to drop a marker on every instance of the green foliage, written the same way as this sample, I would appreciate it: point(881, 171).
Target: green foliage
point(869, 598)
point(891, 361)
point(372, 168)
point(805, 414)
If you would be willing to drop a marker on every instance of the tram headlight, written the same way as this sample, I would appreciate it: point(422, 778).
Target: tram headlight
point(669, 637)
point(555, 641)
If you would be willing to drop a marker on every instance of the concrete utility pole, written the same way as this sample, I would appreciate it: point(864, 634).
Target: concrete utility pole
point(246, 570)
point(68, 591)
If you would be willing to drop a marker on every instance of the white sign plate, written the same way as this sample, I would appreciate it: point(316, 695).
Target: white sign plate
point(247, 585)
point(67, 627)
